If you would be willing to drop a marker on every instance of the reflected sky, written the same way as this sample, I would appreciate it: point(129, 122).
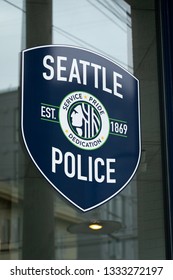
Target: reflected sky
point(102, 26)
point(11, 43)
point(99, 25)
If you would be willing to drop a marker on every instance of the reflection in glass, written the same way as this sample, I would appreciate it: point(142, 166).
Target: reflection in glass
point(104, 27)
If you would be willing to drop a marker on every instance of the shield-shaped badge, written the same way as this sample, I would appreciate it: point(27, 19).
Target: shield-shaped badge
point(80, 122)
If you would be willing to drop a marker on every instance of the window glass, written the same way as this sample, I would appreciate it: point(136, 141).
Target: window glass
point(35, 221)
point(106, 28)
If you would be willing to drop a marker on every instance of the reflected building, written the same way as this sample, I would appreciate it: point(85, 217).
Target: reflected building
point(67, 245)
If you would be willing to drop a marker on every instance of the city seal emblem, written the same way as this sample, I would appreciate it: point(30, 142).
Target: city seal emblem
point(84, 120)
point(80, 122)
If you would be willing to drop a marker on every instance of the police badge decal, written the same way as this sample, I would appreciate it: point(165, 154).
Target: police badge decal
point(80, 121)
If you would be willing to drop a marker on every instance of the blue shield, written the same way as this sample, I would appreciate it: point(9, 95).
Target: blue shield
point(80, 122)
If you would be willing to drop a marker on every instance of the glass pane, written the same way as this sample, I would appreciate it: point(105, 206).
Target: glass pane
point(11, 167)
point(35, 221)
point(125, 32)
